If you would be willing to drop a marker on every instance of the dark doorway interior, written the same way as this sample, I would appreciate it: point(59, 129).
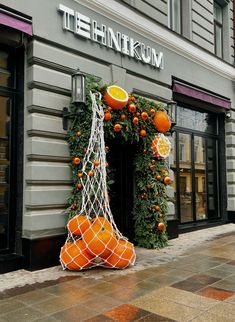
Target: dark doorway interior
point(121, 163)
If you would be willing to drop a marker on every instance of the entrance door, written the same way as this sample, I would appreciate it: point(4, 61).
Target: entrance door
point(120, 159)
point(196, 166)
point(11, 158)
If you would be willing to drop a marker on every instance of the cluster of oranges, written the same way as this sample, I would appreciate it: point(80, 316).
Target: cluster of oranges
point(117, 98)
point(95, 242)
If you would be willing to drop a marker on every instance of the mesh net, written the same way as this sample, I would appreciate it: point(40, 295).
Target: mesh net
point(93, 237)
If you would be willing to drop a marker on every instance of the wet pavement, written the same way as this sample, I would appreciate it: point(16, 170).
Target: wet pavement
point(195, 284)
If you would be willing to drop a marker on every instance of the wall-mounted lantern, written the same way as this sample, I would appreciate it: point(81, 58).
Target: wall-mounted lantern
point(78, 88)
point(171, 111)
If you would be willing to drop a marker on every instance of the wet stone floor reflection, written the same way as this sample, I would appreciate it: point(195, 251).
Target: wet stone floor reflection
point(198, 286)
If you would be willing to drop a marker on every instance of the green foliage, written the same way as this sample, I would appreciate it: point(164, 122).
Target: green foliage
point(150, 192)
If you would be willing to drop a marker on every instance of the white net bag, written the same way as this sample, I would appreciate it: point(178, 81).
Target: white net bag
point(93, 237)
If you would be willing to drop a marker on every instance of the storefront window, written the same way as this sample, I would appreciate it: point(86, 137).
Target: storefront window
point(204, 122)
point(5, 73)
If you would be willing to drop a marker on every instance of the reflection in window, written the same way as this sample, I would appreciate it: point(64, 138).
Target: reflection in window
point(195, 120)
point(181, 152)
point(175, 15)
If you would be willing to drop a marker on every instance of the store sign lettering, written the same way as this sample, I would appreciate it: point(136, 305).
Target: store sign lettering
point(83, 26)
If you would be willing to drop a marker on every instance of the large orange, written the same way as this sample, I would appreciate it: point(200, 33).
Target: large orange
point(99, 239)
point(102, 221)
point(74, 256)
point(161, 146)
point(162, 121)
point(78, 225)
point(115, 97)
point(122, 256)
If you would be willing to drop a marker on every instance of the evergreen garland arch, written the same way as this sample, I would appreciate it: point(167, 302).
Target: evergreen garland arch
point(150, 200)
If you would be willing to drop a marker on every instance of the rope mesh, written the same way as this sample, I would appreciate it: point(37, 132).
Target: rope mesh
point(93, 237)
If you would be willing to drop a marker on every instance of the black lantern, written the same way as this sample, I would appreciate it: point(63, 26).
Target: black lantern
point(171, 111)
point(78, 87)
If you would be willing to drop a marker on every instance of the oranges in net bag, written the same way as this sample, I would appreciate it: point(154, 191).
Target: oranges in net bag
point(93, 237)
point(161, 146)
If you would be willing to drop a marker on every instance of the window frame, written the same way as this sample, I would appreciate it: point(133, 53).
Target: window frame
point(220, 25)
point(171, 17)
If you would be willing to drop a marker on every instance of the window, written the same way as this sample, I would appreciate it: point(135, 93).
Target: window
point(218, 29)
point(181, 152)
point(175, 15)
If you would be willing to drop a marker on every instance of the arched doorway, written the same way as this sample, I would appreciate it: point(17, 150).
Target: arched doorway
point(121, 160)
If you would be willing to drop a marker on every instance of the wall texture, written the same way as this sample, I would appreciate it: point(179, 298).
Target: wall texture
point(53, 54)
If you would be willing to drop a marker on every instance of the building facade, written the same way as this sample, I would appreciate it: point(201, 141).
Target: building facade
point(165, 50)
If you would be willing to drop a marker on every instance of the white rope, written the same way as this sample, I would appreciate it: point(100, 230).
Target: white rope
point(101, 243)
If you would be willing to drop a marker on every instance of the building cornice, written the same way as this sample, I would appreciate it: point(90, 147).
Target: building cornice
point(130, 19)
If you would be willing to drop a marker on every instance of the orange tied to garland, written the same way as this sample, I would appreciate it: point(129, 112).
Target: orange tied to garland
point(162, 121)
point(115, 97)
point(161, 146)
point(93, 237)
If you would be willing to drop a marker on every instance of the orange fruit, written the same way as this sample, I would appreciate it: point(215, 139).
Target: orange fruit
point(152, 111)
point(144, 116)
point(157, 208)
point(122, 256)
point(160, 226)
point(79, 174)
point(161, 146)
point(78, 225)
point(143, 133)
point(131, 108)
point(117, 127)
point(99, 240)
point(78, 133)
point(167, 180)
point(107, 116)
point(102, 221)
point(78, 186)
point(96, 163)
point(158, 177)
point(115, 97)
point(76, 160)
point(74, 256)
point(135, 120)
point(122, 117)
point(162, 121)
point(91, 173)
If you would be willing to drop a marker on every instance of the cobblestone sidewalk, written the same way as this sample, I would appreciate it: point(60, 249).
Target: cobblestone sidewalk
point(145, 258)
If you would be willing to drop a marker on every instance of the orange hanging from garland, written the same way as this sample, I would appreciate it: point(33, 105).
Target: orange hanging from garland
point(161, 146)
point(115, 97)
point(162, 121)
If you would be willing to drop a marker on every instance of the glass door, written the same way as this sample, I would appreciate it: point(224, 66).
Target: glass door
point(185, 177)
point(4, 172)
point(200, 178)
point(11, 144)
point(196, 173)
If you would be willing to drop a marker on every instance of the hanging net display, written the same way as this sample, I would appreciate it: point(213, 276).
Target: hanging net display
point(93, 237)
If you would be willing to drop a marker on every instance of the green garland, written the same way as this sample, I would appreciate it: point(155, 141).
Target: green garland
point(150, 202)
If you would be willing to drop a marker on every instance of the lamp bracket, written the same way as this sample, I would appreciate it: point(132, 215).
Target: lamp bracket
point(69, 115)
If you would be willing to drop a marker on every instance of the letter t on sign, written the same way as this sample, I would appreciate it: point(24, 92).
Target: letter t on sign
point(66, 17)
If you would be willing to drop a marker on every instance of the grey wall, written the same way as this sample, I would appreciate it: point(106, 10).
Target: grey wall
point(51, 56)
point(197, 21)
